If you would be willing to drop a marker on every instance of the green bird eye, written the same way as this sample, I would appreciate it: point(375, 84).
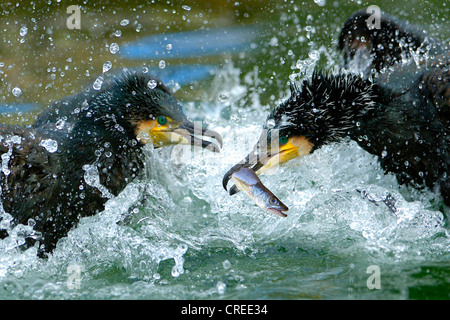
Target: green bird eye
point(283, 140)
point(162, 120)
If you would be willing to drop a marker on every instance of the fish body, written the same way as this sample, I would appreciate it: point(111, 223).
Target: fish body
point(246, 180)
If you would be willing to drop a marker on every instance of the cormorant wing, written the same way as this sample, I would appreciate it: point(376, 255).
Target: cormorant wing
point(435, 83)
point(28, 166)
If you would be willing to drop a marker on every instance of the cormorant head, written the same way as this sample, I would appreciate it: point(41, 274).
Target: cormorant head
point(380, 38)
point(138, 106)
point(325, 109)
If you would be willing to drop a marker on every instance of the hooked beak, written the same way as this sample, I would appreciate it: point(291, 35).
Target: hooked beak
point(173, 133)
point(195, 134)
point(262, 159)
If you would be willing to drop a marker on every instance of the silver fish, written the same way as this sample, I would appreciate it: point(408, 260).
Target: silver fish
point(246, 180)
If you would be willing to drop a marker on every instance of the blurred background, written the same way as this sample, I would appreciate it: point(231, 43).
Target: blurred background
point(184, 42)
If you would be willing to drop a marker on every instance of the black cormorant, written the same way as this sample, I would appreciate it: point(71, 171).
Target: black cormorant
point(401, 114)
point(373, 47)
point(87, 148)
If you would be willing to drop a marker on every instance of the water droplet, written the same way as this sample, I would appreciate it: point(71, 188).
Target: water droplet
point(144, 69)
point(23, 31)
point(162, 64)
point(31, 222)
point(224, 96)
point(17, 92)
point(49, 145)
point(221, 287)
point(270, 123)
point(5, 160)
point(124, 22)
point(185, 7)
point(92, 178)
point(98, 83)
point(152, 84)
point(384, 153)
point(60, 124)
point(320, 2)
point(107, 66)
point(175, 273)
point(274, 42)
point(314, 55)
point(114, 48)
point(226, 264)
point(169, 46)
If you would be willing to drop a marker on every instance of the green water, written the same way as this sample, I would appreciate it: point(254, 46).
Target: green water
point(175, 233)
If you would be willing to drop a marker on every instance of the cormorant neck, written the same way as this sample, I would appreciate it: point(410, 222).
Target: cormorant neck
point(97, 144)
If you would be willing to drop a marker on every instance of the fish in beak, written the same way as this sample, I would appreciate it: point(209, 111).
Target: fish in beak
point(271, 151)
point(246, 180)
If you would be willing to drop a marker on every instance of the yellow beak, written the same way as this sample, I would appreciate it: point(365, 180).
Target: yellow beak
point(262, 160)
point(295, 147)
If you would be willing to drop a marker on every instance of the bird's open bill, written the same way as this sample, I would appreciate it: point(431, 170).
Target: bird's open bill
point(165, 131)
point(268, 155)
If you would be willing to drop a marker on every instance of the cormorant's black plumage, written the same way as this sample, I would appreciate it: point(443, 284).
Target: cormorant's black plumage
point(400, 124)
point(392, 42)
point(399, 111)
point(97, 153)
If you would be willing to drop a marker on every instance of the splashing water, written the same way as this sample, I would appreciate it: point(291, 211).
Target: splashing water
point(176, 232)
point(92, 178)
point(17, 92)
point(50, 145)
point(114, 48)
point(23, 31)
point(106, 66)
point(152, 84)
point(98, 83)
point(124, 22)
